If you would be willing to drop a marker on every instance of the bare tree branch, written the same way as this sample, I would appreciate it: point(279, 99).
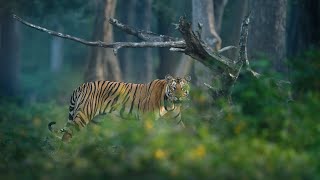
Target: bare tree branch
point(58, 34)
point(116, 46)
point(177, 49)
point(191, 44)
point(226, 48)
point(200, 51)
point(141, 34)
point(196, 47)
point(243, 55)
point(171, 44)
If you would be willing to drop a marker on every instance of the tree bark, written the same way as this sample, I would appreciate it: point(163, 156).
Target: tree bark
point(203, 13)
point(56, 52)
point(95, 69)
point(113, 72)
point(168, 61)
point(184, 67)
point(146, 73)
point(304, 26)
point(128, 54)
point(268, 32)
point(102, 62)
point(230, 32)
point(219, 6)
point(9, 55)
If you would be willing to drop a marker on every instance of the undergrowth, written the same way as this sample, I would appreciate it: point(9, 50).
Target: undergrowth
point(268, 133)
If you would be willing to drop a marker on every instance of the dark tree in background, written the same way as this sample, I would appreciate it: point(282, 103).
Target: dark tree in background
point(12, 45)
point(102, 64)
point(9, 54)
point(235, 11)
point(303, 26)
point(267, 37)
point(137, 64)
point(203, 13)
point(219, 7)
point(56, 50)
point(96, 67)
point(165, 11)
point(126, 55)
point(144, 18)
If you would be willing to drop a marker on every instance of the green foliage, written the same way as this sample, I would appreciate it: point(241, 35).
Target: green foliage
point(271, 132)
point(148, 149)
point(305, 68)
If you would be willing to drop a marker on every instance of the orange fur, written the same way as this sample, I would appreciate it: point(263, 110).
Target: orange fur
point(125, 100)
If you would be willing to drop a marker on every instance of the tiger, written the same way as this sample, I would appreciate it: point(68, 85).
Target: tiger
point(162, 98)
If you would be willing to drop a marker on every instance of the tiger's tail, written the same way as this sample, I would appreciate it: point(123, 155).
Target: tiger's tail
point(55, 132)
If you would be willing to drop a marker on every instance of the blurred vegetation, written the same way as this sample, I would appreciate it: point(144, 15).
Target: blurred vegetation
point(270, 132)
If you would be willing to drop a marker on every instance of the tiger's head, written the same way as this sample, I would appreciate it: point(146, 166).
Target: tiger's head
point(177, 89)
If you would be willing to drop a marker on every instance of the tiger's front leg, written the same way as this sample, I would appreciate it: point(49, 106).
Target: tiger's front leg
point(67, 136)
point(178, 120)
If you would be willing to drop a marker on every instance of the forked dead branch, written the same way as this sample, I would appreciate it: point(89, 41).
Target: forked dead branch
point(190, 44)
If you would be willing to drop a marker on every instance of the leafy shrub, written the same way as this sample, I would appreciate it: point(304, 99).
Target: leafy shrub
point(270, 132)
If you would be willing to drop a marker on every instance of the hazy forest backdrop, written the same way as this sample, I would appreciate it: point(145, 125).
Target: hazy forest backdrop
point(271, 130)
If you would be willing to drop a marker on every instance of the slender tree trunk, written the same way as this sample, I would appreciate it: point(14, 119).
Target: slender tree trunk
point(304, 26)
point(111, 61)
point(168, 61)
point(184, 66)
point(268, 32)
point(219, 6)
point(9, 55)
point(146, 74)
point(102, 62)
point(230, 32)
point(56, 52)
point(128, 54)
point(203, 12)
point(141, 69)
point(95, 69)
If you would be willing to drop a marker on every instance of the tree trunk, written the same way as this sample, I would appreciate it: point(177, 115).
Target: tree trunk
point(95, 69)
point(128, 54)
point(9, 55)
point(184, 66)
point(145, 75)
point(203, 13)
point(219, 6)
point(56, 52)
point(230, 32)
point(303, 26)
point(168, 61)
point(103, 65)
point(268, 32)
point(113, 71)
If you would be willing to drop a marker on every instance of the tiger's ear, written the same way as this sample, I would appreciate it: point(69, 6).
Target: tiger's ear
point(187, 78)
point(168, 77)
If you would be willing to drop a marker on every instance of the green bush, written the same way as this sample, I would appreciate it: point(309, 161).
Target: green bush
point(270, 132)
point(126, 148)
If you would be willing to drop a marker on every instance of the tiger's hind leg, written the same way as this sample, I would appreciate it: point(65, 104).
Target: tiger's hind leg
point(67, 131)
point(65, 134)
point(80, 121)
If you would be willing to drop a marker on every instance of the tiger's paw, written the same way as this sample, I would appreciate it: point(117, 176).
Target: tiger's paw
point(66, 137)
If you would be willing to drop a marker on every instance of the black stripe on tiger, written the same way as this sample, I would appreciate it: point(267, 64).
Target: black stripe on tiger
point(161, 98)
